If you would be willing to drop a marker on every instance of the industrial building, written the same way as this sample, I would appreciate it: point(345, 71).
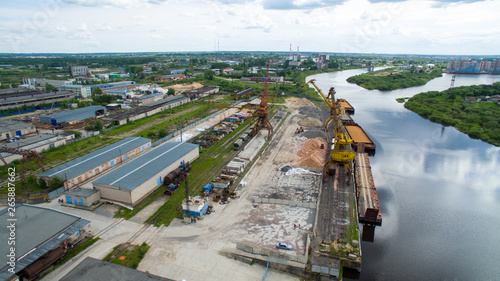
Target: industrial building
point(150, 109)
point(85, 167)
point(203, 92)
point(41, 238)
point(73, 116)
point(94, 269)
point(132, 182)
point(125, 94)
point(147, 99)
point(168, 78)
point(16, 97)
point(77, 90)
point(38, 143)
point(123, 85)
point(10, 129)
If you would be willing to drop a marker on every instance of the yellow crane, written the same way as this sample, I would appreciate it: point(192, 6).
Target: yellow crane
point(341, 151)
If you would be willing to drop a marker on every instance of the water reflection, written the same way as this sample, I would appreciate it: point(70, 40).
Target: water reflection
point(438, 189)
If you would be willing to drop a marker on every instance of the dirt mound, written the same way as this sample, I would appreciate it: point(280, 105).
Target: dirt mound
point(310, 122)
point(192, 86)
point(311, 154)
point(314, 133)
point(296, 103)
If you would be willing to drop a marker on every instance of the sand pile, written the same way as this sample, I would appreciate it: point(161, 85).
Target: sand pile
point(311, 155)
point(310, 122)
point(192, 86)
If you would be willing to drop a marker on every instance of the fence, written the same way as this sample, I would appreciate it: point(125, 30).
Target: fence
point(56, 192)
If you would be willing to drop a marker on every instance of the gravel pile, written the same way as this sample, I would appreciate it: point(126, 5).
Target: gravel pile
point(310, 111)
point(314, 133)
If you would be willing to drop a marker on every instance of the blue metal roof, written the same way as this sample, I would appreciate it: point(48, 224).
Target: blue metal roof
point(85, 163)
point(138, 171)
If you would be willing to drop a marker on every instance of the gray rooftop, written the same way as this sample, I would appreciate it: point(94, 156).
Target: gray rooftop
point(150, 96)
point(85, 163)
point(33, 141)
point(38, 230)
point(94, 269)
point(82, 192)
point(8, 126)
point(138, 171)
point(167, 101)
point(77, 114)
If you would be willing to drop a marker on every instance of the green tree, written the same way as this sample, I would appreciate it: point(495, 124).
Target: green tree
point(208, 75)
point(162, 133)
point(98, 125)
point(51, 88)
point(96, 92)
point(171, 92)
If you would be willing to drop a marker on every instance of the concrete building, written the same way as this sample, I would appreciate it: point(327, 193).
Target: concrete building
point(474, 66)
point(83, 197)
point(203, 92)
point(78, 70)
point(38, 143)
point(147, 99)
point(132, 182)
point(16, 97)
point(77, 90)
point(147, 110)
point(81, 169)
point(10, 129)
point(94, 269)
point(41, 82)
point(41, 236)
point(73, 116)
point(125, 94)
point(123, 85)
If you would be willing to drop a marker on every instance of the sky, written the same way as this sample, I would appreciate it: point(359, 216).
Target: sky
point(441, 27)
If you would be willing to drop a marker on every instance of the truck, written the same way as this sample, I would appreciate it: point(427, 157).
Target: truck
point(206, 189)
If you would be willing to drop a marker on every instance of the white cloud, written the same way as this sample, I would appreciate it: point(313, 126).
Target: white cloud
point(103, 27)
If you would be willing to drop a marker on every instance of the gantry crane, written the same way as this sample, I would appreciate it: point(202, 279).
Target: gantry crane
point(262, 113)
point(341, 151)
point(27, 155)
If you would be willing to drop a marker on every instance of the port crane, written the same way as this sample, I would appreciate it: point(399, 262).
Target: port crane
point(262, 113)
point(341, 151)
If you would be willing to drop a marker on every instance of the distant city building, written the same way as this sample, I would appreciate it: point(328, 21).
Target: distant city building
point(273, 79)
point(78, 70)
point(168, 78)
point(175, 71)
point(474, 66)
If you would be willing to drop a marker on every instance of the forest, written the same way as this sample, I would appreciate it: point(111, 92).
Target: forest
point(394, 80)
point(478, 119)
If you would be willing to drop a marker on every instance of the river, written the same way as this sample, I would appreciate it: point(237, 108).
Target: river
point(439, 190)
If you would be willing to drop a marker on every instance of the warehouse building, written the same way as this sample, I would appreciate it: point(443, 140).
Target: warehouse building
point(76, 171)
point(16, 97)
point(42, 236)
point(73, 116)
point(10, 129)
point(132, 182)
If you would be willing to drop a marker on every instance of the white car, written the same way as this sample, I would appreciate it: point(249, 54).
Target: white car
point(283, 245)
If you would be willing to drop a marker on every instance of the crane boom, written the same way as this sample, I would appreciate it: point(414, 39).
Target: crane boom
point(341, 151)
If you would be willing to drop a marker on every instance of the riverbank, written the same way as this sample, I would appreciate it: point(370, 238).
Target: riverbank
point(393, 79)
point(466, 108)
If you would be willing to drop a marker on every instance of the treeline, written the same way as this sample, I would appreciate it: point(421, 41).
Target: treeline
point(479, 120)
point(393, 81)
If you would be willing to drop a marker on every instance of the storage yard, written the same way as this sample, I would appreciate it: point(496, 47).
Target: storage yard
point(264, 191)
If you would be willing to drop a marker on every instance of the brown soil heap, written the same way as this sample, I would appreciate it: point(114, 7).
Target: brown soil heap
point(311, 155)
point(311, 122)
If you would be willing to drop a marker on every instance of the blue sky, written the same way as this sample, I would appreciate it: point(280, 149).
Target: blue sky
point(360, 26)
